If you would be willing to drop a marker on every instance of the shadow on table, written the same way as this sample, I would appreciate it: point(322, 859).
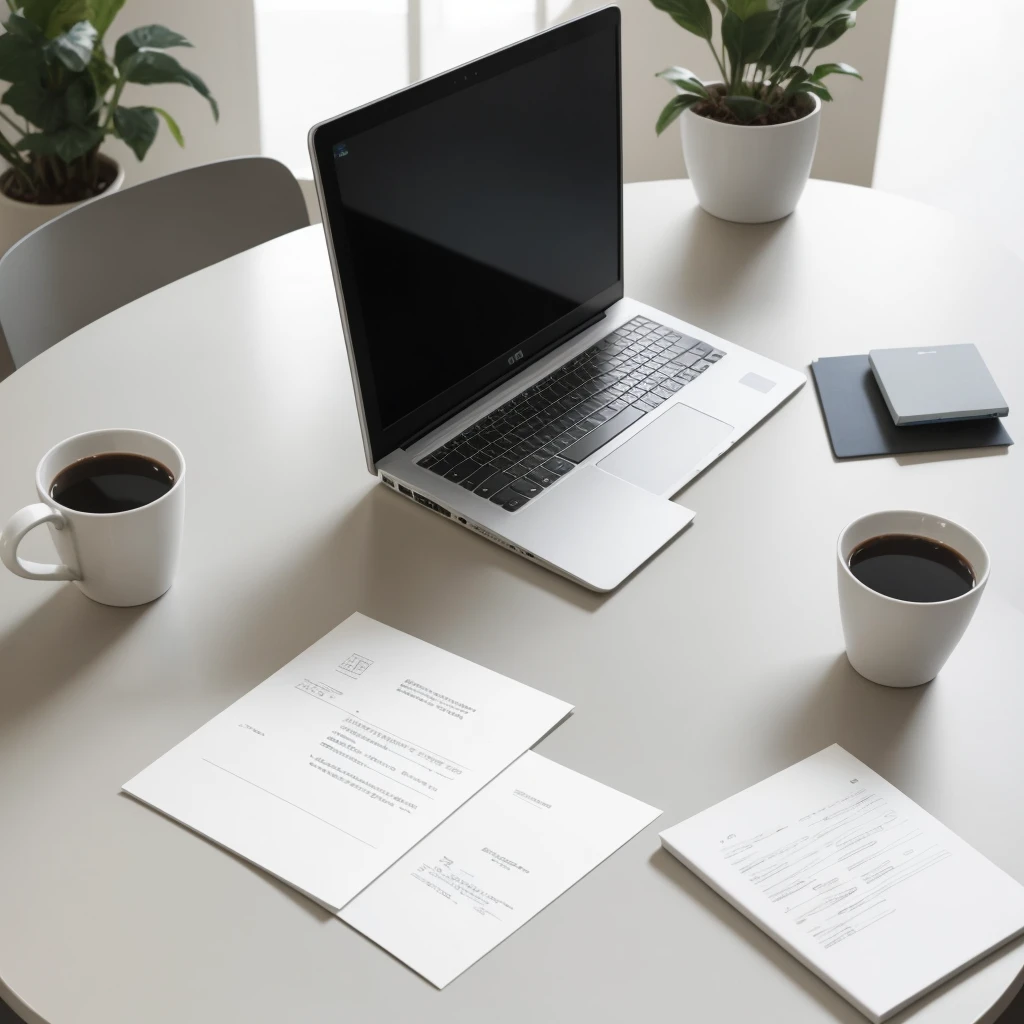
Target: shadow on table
point(391, 560)
point(837, 1008)
point(709, 901)
point(914, 458)
point(304, 904)
point(840, 706)
point(718, 257)
point(44, 651)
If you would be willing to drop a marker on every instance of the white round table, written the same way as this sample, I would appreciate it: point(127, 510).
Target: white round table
point(718, 664)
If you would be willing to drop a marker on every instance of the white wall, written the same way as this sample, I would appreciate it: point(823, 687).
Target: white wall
point(951, 124)
point(224, 56)
point(651, 41)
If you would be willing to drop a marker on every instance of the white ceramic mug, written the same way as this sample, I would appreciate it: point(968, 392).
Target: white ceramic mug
point(905, 643)
point(119, 558)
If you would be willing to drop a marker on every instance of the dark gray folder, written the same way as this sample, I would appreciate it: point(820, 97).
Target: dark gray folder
point(860, 424)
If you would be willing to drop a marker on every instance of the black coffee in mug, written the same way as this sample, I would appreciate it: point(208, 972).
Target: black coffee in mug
point(911, 568)
point(112, 482)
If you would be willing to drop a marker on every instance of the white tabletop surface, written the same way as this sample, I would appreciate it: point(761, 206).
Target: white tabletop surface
point(719, 663)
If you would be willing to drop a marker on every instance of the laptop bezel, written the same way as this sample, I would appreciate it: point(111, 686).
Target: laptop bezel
point(381, 440)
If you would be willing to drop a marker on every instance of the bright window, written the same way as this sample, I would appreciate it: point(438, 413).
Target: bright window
point(318, 58)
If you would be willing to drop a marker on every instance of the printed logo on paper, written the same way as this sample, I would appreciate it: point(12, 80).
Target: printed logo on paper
point(354, 666)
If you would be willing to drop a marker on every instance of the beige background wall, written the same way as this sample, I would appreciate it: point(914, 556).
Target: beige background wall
point(652, 41)
point(962, 154)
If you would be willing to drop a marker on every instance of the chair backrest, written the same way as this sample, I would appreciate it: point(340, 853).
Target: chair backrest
point(108, 251)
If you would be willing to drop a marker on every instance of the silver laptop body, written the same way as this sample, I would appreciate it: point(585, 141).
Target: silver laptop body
point(671, 399)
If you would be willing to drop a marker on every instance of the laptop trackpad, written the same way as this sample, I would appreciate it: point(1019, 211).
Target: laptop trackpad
point(668, 450)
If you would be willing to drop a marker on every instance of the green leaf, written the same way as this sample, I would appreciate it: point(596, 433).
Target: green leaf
point(137, 126)
point(38, 11)
point(80, 100)
point(101, 73)
point(25, 28)
point(147, 37)
point(819, 12)
point(673, 109)
point(745, 108)
point(828, 34)
point(789, 31)
point(797, 76)
point(172, 126)
point(74, 47)
point(720, 4)
point(835, 69)
point(68, 144)
point(693, 15)
point(817, 88)
point(151, 67)
point(745, 41)
point(99, 14)
point(39, 106)
point(103, 14)
point(20, 60)
point(684, 79)
point(743, 9)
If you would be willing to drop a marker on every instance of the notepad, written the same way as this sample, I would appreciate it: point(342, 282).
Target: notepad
point(854, 879)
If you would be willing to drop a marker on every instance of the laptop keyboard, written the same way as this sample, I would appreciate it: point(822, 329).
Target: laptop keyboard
point(544, 432)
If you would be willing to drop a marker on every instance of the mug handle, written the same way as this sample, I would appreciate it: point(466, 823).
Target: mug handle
point(17, 526)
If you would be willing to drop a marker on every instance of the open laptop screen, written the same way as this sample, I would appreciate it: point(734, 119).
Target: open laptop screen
point(477, 222)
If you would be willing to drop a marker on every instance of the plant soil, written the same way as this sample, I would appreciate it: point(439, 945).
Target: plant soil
point(74, 191)
point(793, 111)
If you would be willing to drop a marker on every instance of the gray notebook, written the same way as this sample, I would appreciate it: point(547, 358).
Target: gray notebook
point(936, 384)
point(859, 423)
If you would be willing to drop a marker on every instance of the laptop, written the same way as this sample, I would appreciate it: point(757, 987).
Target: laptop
point(502, 378)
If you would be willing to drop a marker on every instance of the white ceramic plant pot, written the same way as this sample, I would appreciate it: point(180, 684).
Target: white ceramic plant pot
point(749, 173)
point(17, 219)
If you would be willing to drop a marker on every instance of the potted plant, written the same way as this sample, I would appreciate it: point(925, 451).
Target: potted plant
point(65, 99)
point(749, 139)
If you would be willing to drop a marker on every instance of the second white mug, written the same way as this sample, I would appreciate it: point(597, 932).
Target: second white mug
point(905, 643)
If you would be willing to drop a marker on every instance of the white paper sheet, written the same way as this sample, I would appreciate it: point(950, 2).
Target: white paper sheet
point(331, 769)
point(868, 890)
point(536, 830)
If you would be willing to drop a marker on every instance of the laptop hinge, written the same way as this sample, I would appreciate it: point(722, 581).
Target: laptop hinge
point(434, 424)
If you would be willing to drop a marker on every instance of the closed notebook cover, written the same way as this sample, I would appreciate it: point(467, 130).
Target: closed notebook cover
point(859, 423)
point(859, 883)
point(936, 383)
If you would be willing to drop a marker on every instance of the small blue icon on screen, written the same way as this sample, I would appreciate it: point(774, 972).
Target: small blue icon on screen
point(340, 149)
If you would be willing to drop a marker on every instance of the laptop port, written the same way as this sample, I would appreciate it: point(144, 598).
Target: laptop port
point(432, 505)
point(387, 480)
point(405, 490)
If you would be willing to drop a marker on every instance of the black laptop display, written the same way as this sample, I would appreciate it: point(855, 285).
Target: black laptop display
point(464, 254)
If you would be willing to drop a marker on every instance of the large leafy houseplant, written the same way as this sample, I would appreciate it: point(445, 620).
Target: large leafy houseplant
point(65, 95)
point(766, 58)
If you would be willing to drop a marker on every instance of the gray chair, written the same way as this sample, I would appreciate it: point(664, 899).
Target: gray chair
point(112, 249)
